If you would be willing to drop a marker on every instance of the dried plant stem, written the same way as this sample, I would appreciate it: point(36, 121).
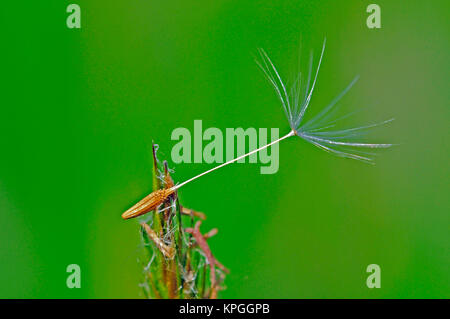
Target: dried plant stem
point(151, 281)
point(167, 251)
point(190, 212)
point(291, 133)
point(148, 203)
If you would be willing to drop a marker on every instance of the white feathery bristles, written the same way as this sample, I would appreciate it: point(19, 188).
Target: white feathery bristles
point(315, 131)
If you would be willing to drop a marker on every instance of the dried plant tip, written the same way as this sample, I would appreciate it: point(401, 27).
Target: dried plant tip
point(211, 233)
point(190, 212)
point(148, 203)
point(167, 251)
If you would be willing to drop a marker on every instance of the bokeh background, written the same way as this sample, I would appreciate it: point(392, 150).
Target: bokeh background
point(80, 109)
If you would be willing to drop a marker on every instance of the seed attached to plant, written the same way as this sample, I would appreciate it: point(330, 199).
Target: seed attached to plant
point(148, 203)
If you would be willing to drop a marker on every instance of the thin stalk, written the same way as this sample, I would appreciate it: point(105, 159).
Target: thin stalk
point(291, 133)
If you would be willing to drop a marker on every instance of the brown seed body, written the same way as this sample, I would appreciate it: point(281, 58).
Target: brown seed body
point(148, 203)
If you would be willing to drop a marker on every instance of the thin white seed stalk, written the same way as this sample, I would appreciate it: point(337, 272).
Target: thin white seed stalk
point(291, 133)
point(157, 197)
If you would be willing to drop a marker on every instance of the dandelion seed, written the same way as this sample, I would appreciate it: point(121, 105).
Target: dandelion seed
point(295, 105)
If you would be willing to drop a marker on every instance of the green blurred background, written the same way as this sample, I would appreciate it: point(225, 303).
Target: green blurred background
point(80, 108)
